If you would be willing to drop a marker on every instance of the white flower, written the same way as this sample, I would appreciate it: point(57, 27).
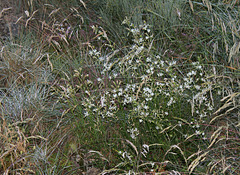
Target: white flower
point(172, 63)
point(179, 123)
point(191, 73)
point(139, 50)
point(149, 59)
point(162, 63)
point(145, 150)
point(197, 132)
point(146, 107)
point(171, 101)
point(197, 87)
point(146, 147)
point(133, 87)
point(135, 31)
point(103, 100)
point(194, 63)
point(133, 133)
point(86, 114)
point(126, 155)
point(199, 67)
point(133, 47)
point(94, 52)
point(101, 58)
point(109, 114)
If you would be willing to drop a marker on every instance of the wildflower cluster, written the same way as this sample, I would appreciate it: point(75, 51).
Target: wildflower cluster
point(141, 35)
point(151, 89)
point(147, 85)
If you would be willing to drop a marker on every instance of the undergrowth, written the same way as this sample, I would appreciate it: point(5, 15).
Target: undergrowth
point(131, 87)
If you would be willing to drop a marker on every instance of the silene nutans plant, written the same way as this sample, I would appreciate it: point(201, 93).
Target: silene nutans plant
point(167, 102)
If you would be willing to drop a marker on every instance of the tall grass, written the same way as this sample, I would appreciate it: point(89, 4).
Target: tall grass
point(122, 87)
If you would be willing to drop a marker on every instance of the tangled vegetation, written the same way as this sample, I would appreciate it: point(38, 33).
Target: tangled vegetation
point(121, 87)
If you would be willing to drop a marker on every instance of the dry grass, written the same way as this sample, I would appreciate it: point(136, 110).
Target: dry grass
point(78, 97)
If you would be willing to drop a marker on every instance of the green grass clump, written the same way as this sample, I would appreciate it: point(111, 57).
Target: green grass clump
point(132, 87)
